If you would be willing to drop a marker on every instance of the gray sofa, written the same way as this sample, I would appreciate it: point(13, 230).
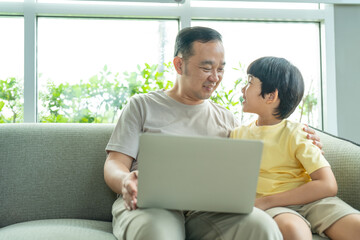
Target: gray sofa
point(52, 185)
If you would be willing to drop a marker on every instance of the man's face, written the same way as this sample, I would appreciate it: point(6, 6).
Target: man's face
point(203, 71)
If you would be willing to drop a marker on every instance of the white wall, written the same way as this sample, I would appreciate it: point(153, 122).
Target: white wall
point(347, 51)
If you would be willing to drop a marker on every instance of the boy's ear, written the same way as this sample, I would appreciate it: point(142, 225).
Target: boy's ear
point(272, 97)
point(178, 63)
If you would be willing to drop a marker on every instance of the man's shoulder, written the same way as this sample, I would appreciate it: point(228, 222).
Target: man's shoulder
point(223, 113)
point(148, 97)
point(152, 94)
point(219, 108)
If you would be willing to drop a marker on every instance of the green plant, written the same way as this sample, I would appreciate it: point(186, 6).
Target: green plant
point(308, 104)
point(104, 95)
point(231, 97)
point(11, 93)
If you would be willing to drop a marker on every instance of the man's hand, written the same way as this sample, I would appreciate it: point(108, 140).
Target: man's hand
point(129, 190)
point(314, 137)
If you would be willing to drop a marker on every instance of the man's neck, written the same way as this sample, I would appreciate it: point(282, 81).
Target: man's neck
point(176, 94)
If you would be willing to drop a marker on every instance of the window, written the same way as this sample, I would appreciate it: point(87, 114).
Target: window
point(12, 69)
point(81, 44)
point(89, 67)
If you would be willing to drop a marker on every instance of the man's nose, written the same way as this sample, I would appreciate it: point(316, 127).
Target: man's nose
point(215, 76)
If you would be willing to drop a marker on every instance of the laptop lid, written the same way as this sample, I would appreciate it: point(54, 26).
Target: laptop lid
point(198, 173)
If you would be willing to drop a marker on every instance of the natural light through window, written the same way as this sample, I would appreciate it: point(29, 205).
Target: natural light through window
point(88, 67)
point(11, 69)
point(86, 58)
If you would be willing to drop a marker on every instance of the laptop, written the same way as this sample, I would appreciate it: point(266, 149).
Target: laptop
point(198, 173)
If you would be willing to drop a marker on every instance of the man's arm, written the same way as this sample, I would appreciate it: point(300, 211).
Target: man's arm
point(323, 185)
point(118, 177)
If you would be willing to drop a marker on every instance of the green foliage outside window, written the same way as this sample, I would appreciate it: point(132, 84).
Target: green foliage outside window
point(100, 99)
point(11, 100)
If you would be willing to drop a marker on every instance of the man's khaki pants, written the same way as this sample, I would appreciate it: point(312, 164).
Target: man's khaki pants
point(160, 224)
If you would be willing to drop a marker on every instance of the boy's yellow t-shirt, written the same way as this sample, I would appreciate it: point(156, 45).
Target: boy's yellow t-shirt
point(288, 156)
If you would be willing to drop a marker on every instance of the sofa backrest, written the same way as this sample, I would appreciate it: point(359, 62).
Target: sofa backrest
point(53, 171)
point(344, 158)
point(56, 171)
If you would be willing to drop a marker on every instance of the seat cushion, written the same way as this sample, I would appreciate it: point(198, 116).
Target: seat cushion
point(58, 229)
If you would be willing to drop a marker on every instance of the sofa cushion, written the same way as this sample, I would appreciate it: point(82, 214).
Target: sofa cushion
point(50, 171)
point(64, 229)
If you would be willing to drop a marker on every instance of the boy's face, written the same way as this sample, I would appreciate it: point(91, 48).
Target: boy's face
point(253, 101)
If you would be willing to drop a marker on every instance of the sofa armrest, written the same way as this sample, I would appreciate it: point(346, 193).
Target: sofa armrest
point(344, 158)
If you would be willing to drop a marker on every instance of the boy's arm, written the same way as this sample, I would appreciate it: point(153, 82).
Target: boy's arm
point(323, 185)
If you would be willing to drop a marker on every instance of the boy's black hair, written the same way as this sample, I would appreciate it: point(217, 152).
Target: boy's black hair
point(278, 73)
point(187, 36)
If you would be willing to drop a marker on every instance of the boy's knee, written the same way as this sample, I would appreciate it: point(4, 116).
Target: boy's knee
point(293, 227)
point(289, 228)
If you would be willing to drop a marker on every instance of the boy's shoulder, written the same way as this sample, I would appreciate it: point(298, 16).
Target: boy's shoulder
point(293, 127)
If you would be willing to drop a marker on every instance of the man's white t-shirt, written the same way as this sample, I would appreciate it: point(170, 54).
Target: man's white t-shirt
point(156, 112)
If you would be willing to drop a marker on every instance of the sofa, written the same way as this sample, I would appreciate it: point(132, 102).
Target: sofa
point(52, 184)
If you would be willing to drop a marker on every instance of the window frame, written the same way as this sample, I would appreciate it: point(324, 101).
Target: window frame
point(184, 13)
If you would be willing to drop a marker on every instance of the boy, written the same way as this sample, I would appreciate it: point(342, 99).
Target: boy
point(296, 184)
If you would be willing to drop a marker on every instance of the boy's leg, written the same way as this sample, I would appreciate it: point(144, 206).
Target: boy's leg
point(226, 226)
point(293, 227)
point(291, 223)
point(346, 228)
point(332, 216)
point(140, 224)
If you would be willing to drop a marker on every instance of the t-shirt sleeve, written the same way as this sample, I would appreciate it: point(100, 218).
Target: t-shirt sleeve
point(237, 133)
point(125, 137)
point(306, 152)
point(236, 123)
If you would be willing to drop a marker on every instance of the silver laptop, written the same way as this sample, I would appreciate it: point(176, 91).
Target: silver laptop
point(198, 173)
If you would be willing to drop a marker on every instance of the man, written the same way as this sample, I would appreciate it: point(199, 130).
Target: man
point(183, 110)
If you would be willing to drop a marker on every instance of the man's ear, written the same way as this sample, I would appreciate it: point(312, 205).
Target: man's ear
point(178, 64)
point(272, 97)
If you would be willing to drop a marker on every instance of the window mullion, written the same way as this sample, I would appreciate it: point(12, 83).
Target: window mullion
point(30, 90)
point(329, 72)
point(185, 15)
